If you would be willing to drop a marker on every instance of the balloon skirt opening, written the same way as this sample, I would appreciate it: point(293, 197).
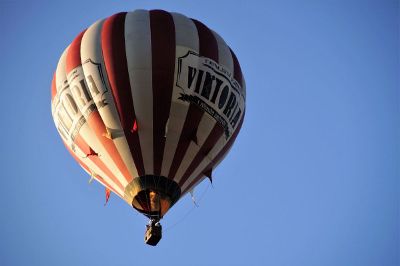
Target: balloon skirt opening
point(153, 195)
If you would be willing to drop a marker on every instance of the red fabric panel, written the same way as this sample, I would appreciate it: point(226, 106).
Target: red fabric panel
point(163, 67)
point(113, 46)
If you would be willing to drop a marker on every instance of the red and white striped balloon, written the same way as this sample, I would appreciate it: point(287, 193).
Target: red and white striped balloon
point(148, 103)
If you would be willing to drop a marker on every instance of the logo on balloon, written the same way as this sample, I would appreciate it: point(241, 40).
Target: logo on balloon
point(212, 88)
point(77, 97)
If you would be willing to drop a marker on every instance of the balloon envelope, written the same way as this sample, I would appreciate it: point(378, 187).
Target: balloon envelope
point(148, 103)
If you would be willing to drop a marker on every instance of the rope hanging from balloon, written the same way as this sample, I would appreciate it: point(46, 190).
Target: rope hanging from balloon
point(195, 206)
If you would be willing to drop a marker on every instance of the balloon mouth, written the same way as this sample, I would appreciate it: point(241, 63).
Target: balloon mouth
point(153, 195)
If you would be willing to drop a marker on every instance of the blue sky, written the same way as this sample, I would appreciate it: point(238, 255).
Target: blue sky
point(313, 178)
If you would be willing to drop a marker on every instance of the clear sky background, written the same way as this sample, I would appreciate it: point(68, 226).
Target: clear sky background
point(313, 178)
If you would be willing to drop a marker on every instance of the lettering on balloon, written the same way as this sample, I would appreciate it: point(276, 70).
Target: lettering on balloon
point(212, 88)
point(77, 97)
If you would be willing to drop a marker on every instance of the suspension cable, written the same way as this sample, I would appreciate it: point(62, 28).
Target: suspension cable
point(189, 211)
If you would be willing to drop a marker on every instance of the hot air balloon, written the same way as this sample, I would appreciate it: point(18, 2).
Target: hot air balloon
point(148, 103)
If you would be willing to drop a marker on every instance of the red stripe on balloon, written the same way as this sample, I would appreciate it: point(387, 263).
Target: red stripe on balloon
point(189, 129)
point(97, 125)
point(217, 158)
point(81, 143)
point(53, 87)
point(81, 163)
point(208, 47)
point(83, 146)
point(94, 120)
point(73, 59)
point(207, 41)
point(211, 140)
point(163, 66)
point(114, 53)
point(237, 71)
